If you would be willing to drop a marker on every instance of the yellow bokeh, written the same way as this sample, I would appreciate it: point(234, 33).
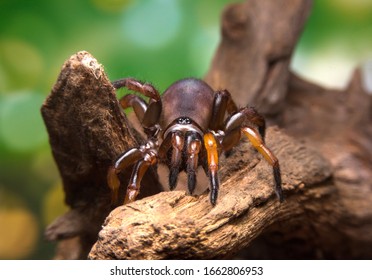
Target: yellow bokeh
point(23, 64)
point(18, 233)
point(111, 5)
point(53, 204)
point(360, 9)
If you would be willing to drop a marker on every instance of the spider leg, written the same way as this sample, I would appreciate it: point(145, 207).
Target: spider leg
point(193, 145)
point(143, 158)
point(151, 118)
point(256, 139)
point(231, 139)
point(165, 146)
point(137, 103)
point(151, 112)
point(126, 159)
point(177, 141)
point(210, 144)
point(137, 86)
point(139, 171)
point(244, 115)
point(146, 155)
point(222, 103)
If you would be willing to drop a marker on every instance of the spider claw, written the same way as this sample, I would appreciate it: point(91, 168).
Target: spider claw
point(191, 181)
point(214, 187)
point(173, 178)
point(278, 183)
point(131, 195)
point(279, 193)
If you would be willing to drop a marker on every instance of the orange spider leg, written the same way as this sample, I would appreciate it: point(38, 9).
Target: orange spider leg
point(256, 140)
point(210, 144)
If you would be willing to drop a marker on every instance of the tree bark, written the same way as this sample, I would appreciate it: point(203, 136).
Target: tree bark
point(175, 225)
point(252, 60)
point(320, 136)
point(87, 130)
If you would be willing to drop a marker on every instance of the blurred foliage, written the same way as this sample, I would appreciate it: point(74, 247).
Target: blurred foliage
point(154, 40)
point(336, 40)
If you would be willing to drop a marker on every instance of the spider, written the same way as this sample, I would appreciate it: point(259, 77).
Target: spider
point(186, 128)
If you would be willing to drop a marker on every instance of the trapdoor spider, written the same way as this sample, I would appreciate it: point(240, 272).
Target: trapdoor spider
point(187, 128)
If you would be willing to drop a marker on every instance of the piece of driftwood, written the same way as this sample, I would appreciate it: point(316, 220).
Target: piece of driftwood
point(338, 124)
point(252, 60)
point(87, 130)
point(323, 145)
point(176, 225)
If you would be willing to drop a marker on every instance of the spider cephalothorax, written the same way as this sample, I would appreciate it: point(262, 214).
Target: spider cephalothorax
point(186, 128)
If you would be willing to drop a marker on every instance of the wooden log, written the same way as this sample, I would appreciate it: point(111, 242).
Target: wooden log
point(174, 225)
point(323, 145)
point(252, 60)
point(87, 130)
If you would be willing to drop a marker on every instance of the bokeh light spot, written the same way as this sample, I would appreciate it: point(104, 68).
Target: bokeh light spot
point(22, 63)
point(152, 24)
point(18, 233)
point(367, 76)
point(44, 167)
point(360, 9)
point(330, 65)
point(111, 5)
point(3, 79)
point(53, 204)
point(21, 125)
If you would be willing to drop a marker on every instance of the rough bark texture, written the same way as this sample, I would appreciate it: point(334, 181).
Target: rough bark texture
point(252, 60)
point(176, 225)
point(87, 130)
point(321, 137)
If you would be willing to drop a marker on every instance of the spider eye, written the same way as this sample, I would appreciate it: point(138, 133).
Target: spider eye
point(184, 120)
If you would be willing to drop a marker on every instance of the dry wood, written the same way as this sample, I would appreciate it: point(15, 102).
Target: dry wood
point(176, 225)
point(323, 145)
point(252, 60)
point(87, 130)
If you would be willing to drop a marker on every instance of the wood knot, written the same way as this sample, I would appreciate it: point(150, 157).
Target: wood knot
point(234, 22)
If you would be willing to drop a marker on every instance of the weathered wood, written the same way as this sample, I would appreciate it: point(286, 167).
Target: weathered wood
point(338, 124)
point(87, 130)
point(323, 145)
point(252, 60)
point(176, 225)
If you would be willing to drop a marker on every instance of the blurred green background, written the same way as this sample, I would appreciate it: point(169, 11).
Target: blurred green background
point(154, 40)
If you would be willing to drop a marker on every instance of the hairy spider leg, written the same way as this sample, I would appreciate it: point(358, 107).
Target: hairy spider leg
point(145, 156)
point(137, 86)
point(177, 141)
point(124, 160)
point(257, 141)
point(193, 146)
point(211, 147)
point(151, 111)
